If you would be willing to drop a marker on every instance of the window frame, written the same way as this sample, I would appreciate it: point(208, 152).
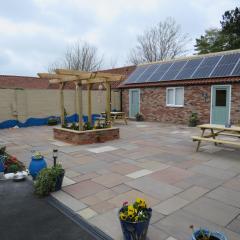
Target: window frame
point(174, 97)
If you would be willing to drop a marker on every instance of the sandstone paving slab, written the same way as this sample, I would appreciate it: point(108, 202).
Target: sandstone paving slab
point(91, 167)
point(121, 188)
point(102, 149)
point(152, 165)
point(102, 207)
point(177, 224)
point(90, 200)
point(83, 189)
point(124, 168)
point(106, 194)
point(234, 226)
point(193, 193)
point(213, 210)
point(156, 234)
point(171, 175)
point(69, 201)
point(222, 163)
point(111, 180)
point(139, 173)
point(131, 196)
point(67, 181)
point(84, 177)
point(214, 172)
point(156, 216)
point(171, 205)
point(109, 223)
point(61, 144)
point(87, 213)
point(225, 195)
point(202, 180)
point(71, 173)
point(154, 188)
point(71, 149)
point(233, 184)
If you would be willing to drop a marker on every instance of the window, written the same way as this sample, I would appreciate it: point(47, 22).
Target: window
point(175, 97)
point(221, 97)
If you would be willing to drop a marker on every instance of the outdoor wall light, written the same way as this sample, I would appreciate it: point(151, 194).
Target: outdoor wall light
point(205, 96)
point(55, 156)
point(100, 87)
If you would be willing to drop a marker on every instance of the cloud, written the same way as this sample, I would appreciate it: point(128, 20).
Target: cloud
point(35, 33)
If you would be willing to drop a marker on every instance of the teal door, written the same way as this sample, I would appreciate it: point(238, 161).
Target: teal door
point(134, 105)
point(220, 104)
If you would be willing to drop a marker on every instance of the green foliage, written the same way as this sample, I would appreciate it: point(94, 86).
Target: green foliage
point(231, 27)
point(226, 38)
point(212, 41)
point(52, 121)
point(139, 117)
point(46, 180)
point(87, 126)
point(193, 119)
point(74, 126)
point(2, 150)
point(13, 168)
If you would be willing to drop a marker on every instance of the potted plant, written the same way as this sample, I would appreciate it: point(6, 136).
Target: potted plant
point(135, 220)
point(49, 180)
point(205, 234)
point(139, 117)
point(37, 164)
point(52, 121)
point(193, 119)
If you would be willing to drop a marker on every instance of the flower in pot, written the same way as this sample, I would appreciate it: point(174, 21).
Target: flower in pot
point(37, 164)
point(49, 180)
point(205, 234)
point(193, 120)
point(139, 117)
point(135, 220)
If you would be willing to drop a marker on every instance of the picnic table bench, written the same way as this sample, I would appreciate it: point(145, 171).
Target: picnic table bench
point(216, 130)
point(117, 116)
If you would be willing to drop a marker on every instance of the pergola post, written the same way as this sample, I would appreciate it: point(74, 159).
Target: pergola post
point(61, 86)
point(89, 86)
point(108, 99)
point(79, 104)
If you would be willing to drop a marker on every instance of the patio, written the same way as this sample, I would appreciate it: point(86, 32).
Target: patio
point(151, 160)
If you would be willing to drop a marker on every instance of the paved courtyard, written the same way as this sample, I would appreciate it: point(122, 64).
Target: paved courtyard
point(151, 160)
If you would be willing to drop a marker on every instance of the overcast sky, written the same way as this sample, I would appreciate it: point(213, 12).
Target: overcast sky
point(35, 33)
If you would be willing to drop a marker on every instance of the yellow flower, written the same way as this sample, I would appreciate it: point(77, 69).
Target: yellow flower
point(122, 216)
point(131, 211)
point(141, 203)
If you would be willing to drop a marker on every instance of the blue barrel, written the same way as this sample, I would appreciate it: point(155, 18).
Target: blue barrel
point(217, 235)
point(135, 230)
point(2, 158)
point(36, 165)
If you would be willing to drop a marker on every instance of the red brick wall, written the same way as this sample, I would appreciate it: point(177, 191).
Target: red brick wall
point(153, 104)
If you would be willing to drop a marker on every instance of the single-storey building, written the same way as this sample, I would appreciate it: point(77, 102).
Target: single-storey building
point(169, 91)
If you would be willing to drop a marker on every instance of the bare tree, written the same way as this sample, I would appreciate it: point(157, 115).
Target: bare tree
point(79, 56)
point(161, 42)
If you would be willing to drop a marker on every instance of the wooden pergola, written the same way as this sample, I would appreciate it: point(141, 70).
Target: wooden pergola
point(62, 76)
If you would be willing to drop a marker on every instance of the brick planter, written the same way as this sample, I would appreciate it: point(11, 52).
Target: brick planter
point(86, 137)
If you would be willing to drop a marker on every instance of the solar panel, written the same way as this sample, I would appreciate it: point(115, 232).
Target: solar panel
point(159, 72)
point(206, 67)
point(147, 73)
point(173, 70)
point(200, 67)
point(225, 65)
point(236, 71)
point(135, 75)
point(189, 69)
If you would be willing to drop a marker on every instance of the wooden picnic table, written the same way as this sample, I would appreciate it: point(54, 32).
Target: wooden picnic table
point(215, 131)
point(117, 115)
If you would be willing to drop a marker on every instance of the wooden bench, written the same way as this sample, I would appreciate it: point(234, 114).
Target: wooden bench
point(221, 141)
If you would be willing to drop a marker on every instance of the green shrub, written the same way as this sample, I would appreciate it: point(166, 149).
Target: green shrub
point(46, 180)
point(52, 121)
point(193, 120)
point(13, 168)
